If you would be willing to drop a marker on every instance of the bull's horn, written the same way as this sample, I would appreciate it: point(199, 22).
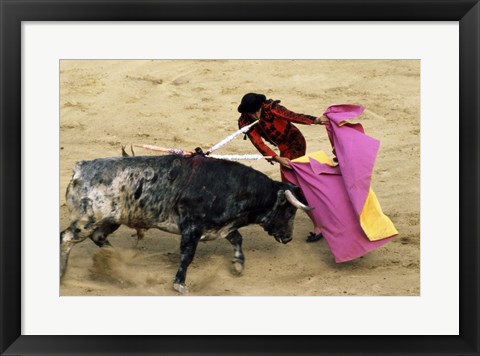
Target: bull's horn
point(295, 202)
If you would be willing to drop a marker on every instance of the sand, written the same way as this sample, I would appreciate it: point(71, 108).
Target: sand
point(185, 104)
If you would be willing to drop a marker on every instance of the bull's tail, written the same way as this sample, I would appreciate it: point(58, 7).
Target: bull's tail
point(66, 244)
point(78, 231)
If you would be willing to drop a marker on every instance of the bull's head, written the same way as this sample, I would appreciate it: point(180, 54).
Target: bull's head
point(279, 221)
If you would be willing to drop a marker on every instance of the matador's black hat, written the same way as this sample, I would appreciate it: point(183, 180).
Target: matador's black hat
point(251, 102)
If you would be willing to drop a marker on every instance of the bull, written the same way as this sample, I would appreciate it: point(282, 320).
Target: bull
point(197, 197)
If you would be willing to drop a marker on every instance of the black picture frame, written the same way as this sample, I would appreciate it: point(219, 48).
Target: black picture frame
point(13, 12)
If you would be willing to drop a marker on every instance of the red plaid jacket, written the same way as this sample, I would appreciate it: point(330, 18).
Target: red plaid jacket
point(275, 127)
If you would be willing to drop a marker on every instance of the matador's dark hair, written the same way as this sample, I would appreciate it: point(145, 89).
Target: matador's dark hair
point(251, 102)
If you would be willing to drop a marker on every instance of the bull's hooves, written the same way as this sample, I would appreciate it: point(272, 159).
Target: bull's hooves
point(180, 287)
point(237, 267)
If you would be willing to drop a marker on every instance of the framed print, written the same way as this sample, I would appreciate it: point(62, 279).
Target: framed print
point(82, 79)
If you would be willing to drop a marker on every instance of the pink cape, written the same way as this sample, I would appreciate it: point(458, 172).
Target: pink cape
point(338, 194)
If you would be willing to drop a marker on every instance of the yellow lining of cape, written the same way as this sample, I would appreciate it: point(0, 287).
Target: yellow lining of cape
point(319, 156)
point(373, 221)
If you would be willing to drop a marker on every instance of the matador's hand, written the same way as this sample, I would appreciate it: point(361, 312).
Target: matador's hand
point(284, 162)
point(321, 120)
